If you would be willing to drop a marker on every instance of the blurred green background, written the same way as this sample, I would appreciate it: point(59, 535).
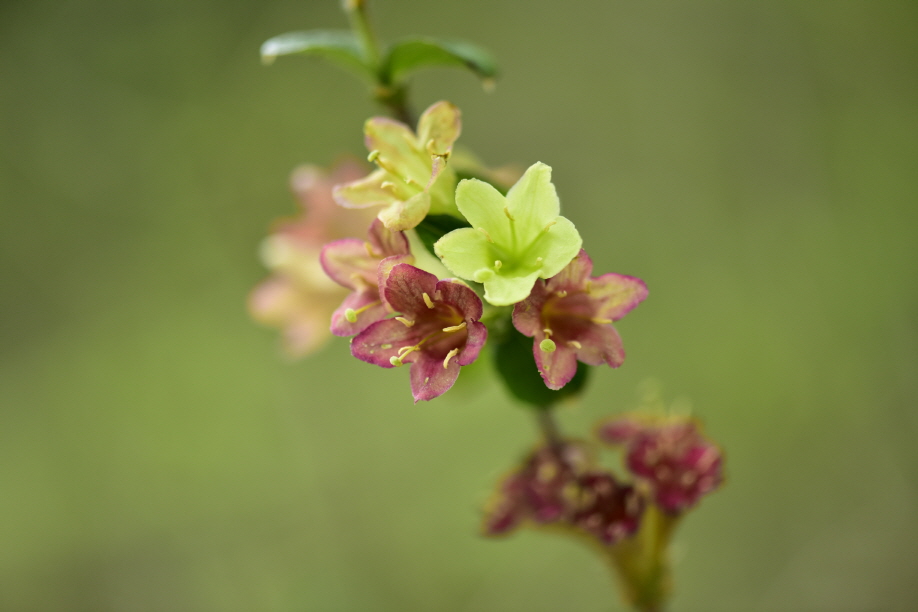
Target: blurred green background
point(755, 163)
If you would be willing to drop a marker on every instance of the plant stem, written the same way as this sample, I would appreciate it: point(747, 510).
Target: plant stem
point(549, 427)
point(393, 97)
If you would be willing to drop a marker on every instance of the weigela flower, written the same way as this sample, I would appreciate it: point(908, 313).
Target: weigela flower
point(542, 490)
point(570, 318)
point(438, 330)
point(413, 177)
point(670, 454)
point(298, 297)
point(607, 509)
point(513, 240)
point(361, 266)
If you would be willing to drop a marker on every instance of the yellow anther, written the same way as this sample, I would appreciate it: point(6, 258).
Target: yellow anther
point(589, 286)
point(455, 328)
point(373, 155)
point(497, 264)
point(561, 293)
point(548, 345)
point(545, 229)
point(449, 356)
point(351, 315)
point(507, 212)
point(485, 232)
point(388, 185)
point(395, 361)
point(405, 321)
point(574, 344)
point(427, 300)
point(599, 321)
point(547, 331)
point(407, 349)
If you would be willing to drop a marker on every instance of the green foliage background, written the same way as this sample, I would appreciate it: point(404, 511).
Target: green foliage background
point(755, 163)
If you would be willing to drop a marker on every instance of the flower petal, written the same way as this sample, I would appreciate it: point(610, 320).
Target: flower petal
point(477, 336)
point(347, 262)
point(430, 379)
point(397, 150)
point(386, 243)
point(460, 295)
point(465, 252)
point(483, 206)
point(503, 290)
point(533, 201)
point(378, 343)
point(527, 315)
point(558, 246)
point(618, 294)
point(405, 286)
point(557, 367)
point(365, 192)
point(439, 127)
point(369, 309)
point(400, 216)
point(601, 345)
point(574, 276)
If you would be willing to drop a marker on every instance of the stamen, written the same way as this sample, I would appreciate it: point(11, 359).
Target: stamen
point(548, 345)
point(486, 234)
point(599, 321)
point(454, 328)
point(407, 349)
point(538, 261)
point(410, 181)
point(561, 293)
point(547, 332)
point(546, 228)
point(373, 155)
point(388, 185)
point(449, 356)
point(497, 264)
point(589, 286)
point(574, 344)
point(507, 212)
point(351, 315)
point(396, 361)
point(407, 322)
point(370, 251)
point(427, 300)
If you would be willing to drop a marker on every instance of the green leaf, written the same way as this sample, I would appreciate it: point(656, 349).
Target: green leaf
point(338, 46)
point(516, 366)
point(409, 55)
point(433, 227)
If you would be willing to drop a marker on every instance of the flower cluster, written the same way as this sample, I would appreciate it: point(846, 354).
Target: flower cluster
point(402, 306)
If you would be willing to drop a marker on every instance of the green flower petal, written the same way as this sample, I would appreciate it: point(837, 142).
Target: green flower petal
point(533, 201)
point(483, 206)
point(395, 149)
point(438, 128)
point(558, 246)
point(465, 252)
point(507, 290)
point(400, 216)
point(365, 192)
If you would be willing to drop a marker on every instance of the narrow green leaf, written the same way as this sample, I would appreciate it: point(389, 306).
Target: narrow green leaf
point(340, 47)
point(516, 366)
point(409, 55)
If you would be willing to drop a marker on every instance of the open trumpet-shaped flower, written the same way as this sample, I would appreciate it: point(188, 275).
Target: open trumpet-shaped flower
point(413, 178)
point(570, 317)
point(438, 330)
point(361, 266)
point(513, 240)
point(670, 454)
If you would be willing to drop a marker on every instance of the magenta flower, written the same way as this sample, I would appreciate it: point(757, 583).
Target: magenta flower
point(671, 455)
point(570, 317)
point(438, 330)
point(361, 267)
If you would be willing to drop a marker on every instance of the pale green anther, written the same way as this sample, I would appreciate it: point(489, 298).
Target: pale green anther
point(351, 315)
point(548, 345)
point(523, 231)
point(373, 155)
point(395, 361)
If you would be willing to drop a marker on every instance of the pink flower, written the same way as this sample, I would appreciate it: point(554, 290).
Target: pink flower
point(361, 266)
point(438, 330)
point(570, 317)
point(298, 297)
point(607, 509)
point(671, 455)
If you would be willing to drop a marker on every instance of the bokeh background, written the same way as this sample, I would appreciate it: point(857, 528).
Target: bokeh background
point(755, 163)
